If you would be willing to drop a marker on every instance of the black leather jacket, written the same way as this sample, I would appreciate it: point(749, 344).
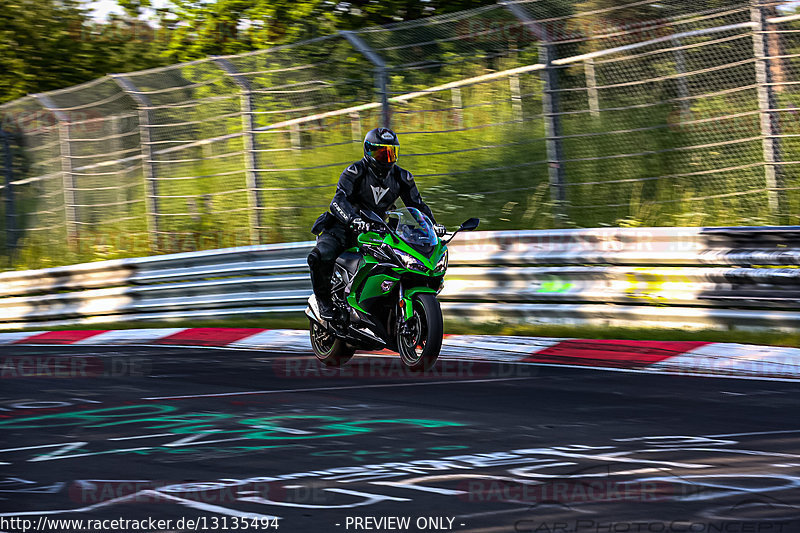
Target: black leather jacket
point(359, 188)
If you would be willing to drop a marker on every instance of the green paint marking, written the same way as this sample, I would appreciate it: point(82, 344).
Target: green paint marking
point(94, 415)
point(554, 285)
point(163, 417)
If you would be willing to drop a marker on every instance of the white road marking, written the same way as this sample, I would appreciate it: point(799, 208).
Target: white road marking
point(347, 387)
point(128, 336)
point(63, 444)
point(747, 434)
point(160, 495)
point(144, 436)
point(8, 338)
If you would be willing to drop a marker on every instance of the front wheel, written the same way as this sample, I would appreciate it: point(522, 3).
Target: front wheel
point(329, 349)
point(419, 339)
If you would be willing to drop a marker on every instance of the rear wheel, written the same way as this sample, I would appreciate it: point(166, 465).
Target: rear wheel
point(419, 339)
point(329, 349)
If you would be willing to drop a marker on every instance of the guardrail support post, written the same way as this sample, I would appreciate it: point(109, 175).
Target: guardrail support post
point(148, 161)
point(250, 147)
point(8, 192)
point(68, 179)
point(767, 103)
point(550, 104)
point(381, 75)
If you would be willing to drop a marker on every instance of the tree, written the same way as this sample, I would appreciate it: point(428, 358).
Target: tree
point(198, 28)
point(50, 44)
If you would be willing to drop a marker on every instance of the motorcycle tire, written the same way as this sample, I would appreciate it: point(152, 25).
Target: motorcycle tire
point(420, 341)
point(329, 349)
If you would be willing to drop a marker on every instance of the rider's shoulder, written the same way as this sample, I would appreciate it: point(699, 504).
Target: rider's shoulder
point(354, 170)
point(404, 174)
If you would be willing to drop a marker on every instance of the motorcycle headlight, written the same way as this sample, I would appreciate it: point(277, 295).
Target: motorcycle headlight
point(409, 261)
point(441, 266)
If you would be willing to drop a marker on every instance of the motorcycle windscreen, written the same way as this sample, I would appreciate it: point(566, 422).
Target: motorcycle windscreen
point(414, 228)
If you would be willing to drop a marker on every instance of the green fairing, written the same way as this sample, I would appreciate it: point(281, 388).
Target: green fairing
point(428, 262)
point(372, 285)
point(409, 297)
point(364, 267)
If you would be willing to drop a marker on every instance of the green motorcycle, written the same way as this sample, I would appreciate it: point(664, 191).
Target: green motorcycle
point(384, 292)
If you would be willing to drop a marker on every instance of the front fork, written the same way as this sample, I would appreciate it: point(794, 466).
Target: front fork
point(404, 304)
point(406, 298)
point(405, 311)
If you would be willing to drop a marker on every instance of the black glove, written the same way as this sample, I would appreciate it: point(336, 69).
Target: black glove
point(359, 225)
point(439, 229)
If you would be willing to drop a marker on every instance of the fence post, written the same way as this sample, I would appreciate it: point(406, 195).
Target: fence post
point(683, 87)
point(121, 193)
point(148, 160)
point(355, 126)
point(550, 104)
point(8, 196)
point(767, 103)
point(294, 136)
point(516, 97)
point(458, 107)
point(250, 147)
point(68, 179)
point(381, 75)
point(591, 87)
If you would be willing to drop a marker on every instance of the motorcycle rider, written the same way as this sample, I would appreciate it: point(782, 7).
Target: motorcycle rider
point(374, 183)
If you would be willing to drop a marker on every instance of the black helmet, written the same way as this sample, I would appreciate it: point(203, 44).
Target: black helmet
point(380, 150)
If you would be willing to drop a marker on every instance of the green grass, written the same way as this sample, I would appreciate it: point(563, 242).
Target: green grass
point(498, 173)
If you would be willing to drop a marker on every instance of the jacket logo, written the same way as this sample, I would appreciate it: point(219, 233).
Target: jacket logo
point(378, 193)
point(340, 211)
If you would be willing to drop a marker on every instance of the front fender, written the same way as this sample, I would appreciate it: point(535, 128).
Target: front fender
point(408, 297)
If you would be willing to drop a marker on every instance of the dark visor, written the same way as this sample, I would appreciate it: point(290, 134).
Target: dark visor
point(383, 153)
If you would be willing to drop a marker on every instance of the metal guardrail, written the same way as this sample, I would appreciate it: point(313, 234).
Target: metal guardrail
point(745, 277)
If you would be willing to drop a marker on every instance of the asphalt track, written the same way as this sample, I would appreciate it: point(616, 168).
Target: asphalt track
point(236, 439)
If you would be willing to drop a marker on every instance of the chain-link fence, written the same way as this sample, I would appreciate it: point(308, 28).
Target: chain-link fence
point(528, 114)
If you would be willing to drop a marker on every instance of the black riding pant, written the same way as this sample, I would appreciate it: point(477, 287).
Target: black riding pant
point(330, 245)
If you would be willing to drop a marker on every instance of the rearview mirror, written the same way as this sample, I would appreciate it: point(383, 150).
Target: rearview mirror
point(470, 224)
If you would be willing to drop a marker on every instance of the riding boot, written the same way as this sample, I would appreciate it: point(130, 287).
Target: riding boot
point(321, 261)
point(321, 283)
